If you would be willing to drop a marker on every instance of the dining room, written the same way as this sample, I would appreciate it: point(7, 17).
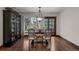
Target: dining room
point(38, 29)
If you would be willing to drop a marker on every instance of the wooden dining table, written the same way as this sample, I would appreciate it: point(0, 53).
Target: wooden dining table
point(39, 37)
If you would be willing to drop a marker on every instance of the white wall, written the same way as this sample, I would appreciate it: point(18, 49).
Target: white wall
point(1, 26)
point(69, 24)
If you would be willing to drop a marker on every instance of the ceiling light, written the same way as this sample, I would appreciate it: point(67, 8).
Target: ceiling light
point(39, 17)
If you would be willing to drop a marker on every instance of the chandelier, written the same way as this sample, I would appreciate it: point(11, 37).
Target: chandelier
point(40, 16)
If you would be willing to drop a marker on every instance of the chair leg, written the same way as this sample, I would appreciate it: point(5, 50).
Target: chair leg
point(46, 42)
point(32, 43)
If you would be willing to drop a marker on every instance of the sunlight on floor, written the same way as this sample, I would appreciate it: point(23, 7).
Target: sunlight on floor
point(25, 44)
point(52, 43)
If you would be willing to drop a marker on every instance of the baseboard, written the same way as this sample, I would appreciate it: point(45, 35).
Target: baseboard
point(74, 45)
point(57, 35)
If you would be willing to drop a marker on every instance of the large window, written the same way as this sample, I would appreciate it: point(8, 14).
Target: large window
point(30, 23)
point(33, 23)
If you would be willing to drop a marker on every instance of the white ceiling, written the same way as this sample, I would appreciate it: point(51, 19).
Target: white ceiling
point(43, 9)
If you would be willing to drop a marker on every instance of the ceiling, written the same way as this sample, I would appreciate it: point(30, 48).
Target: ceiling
point(43, 9)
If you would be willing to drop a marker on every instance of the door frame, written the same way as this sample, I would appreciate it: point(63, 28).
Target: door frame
point(55, 17)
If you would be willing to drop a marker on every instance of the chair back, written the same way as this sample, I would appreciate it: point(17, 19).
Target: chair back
point(48, 32)
point(31, 32)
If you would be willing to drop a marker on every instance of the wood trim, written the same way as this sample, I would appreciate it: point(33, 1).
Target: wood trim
point(70, 43)
point(11, 10)
point(50, 16)
point(55, 24)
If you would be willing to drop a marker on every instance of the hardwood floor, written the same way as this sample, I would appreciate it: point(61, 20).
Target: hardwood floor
point(39, 47)
point(23, 45)
point(62, 44)
point(57, 44)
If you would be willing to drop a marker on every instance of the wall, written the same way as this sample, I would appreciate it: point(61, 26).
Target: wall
point(1, 26)
point(69, 24)
point(22, 25)
point(44, 14)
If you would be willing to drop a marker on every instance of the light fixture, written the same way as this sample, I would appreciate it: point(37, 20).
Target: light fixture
point(39, 17)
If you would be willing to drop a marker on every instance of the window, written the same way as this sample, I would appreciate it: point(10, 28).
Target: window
point(33, 23)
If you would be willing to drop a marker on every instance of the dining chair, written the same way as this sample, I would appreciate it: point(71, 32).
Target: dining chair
point(31, 36)
point(47, 37)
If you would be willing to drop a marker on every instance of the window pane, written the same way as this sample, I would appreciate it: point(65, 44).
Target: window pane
point(33, 23)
